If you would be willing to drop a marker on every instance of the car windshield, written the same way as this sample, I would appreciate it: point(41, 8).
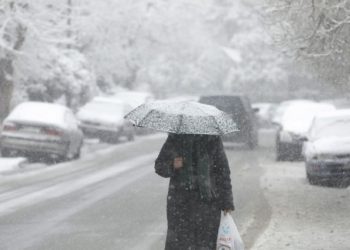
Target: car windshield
point(230, 105)
point(330, 128)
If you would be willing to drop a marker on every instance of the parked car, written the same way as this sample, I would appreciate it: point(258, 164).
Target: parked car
point(242, 113)
point(103, 118)
point(279, 111)
point(293, 126)
point(36, 128)
point(327, 150)
point(134, 99)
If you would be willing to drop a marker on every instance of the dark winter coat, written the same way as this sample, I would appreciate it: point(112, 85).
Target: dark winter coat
point(192, 222)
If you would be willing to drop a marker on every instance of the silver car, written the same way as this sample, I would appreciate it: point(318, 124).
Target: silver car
point(327, 150)
point(103, 118)
point(36, 128)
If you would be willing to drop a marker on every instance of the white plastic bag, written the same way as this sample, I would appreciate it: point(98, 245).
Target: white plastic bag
point(228, 235)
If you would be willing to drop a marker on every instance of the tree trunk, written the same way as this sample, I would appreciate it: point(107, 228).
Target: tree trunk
point(7, 70)
point(6, 87)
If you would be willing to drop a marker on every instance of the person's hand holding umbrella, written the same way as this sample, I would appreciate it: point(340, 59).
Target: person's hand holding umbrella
point(178, 163)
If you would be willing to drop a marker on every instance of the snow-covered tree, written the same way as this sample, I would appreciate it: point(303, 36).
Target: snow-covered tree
point(164, 46)
point(257, 64)
point(35, 38)
point(318, 32)
point(176, 46)
point(13, 32)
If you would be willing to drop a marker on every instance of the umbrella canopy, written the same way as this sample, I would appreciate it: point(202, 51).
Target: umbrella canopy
point(182, 117)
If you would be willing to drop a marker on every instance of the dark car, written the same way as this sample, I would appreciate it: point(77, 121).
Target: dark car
point(293, 127)
point(242, 113)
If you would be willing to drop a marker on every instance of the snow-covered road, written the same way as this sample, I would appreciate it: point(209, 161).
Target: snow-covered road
point(111, 199)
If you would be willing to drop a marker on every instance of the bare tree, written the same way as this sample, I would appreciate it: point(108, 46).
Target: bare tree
point(317, 32)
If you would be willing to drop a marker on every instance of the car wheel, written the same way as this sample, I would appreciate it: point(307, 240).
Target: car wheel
point(5, 152)
point(312, 179)
point(131, 137)
point(67, 156)
point(78, 153)
point(280, 154)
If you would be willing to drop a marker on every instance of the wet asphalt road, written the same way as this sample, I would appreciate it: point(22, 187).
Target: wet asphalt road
point(112, 199)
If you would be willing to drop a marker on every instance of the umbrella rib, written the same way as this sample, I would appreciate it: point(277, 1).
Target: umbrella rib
point(204, 111)
point(213, 117)
point(146, 116)
point(180, 122)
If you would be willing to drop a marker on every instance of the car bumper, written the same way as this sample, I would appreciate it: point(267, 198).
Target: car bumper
point(34, 146)
point(328, 169)
point(238, 137)
point(93, 131)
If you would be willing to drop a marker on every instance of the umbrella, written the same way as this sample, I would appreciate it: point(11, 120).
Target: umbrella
point(182, 117)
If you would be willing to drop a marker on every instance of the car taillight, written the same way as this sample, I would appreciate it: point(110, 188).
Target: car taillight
point(10, 127)
point(51, 131)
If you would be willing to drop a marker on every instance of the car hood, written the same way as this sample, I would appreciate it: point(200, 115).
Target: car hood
point(332, 145)
point(298, 129)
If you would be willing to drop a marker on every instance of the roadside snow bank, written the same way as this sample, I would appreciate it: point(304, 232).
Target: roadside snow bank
point(304, 217)
point(9, 164)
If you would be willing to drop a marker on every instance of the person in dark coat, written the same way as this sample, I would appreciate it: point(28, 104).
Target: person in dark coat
point(199, 189)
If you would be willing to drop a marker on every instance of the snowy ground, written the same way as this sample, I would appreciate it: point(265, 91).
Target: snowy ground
point(20, 165)
point(8, 165)
point(111, 196)
point(304, 217)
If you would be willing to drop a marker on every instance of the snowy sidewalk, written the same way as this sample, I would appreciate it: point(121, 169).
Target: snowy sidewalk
point(10, 164)
point(304, 217)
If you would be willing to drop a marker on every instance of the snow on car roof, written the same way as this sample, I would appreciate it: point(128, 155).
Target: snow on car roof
point(133, 98)
point(107, 99)
point(299, 116)
point(39, 112)
point(339, 113)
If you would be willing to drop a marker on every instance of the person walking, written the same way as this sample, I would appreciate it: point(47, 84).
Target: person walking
point(199, 189)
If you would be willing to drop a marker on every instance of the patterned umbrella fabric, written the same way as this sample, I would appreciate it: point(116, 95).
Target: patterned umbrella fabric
point(182, 117)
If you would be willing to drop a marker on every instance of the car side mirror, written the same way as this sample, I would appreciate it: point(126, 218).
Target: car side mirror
point(276, 125)
point(304, 139)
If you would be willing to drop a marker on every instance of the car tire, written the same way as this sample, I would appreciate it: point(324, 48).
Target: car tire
point(5, 152)
point(67, 156)
point(312, 179)
point(280, 155)
point(78, 153)
point(110, 139)
point(131, 137)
